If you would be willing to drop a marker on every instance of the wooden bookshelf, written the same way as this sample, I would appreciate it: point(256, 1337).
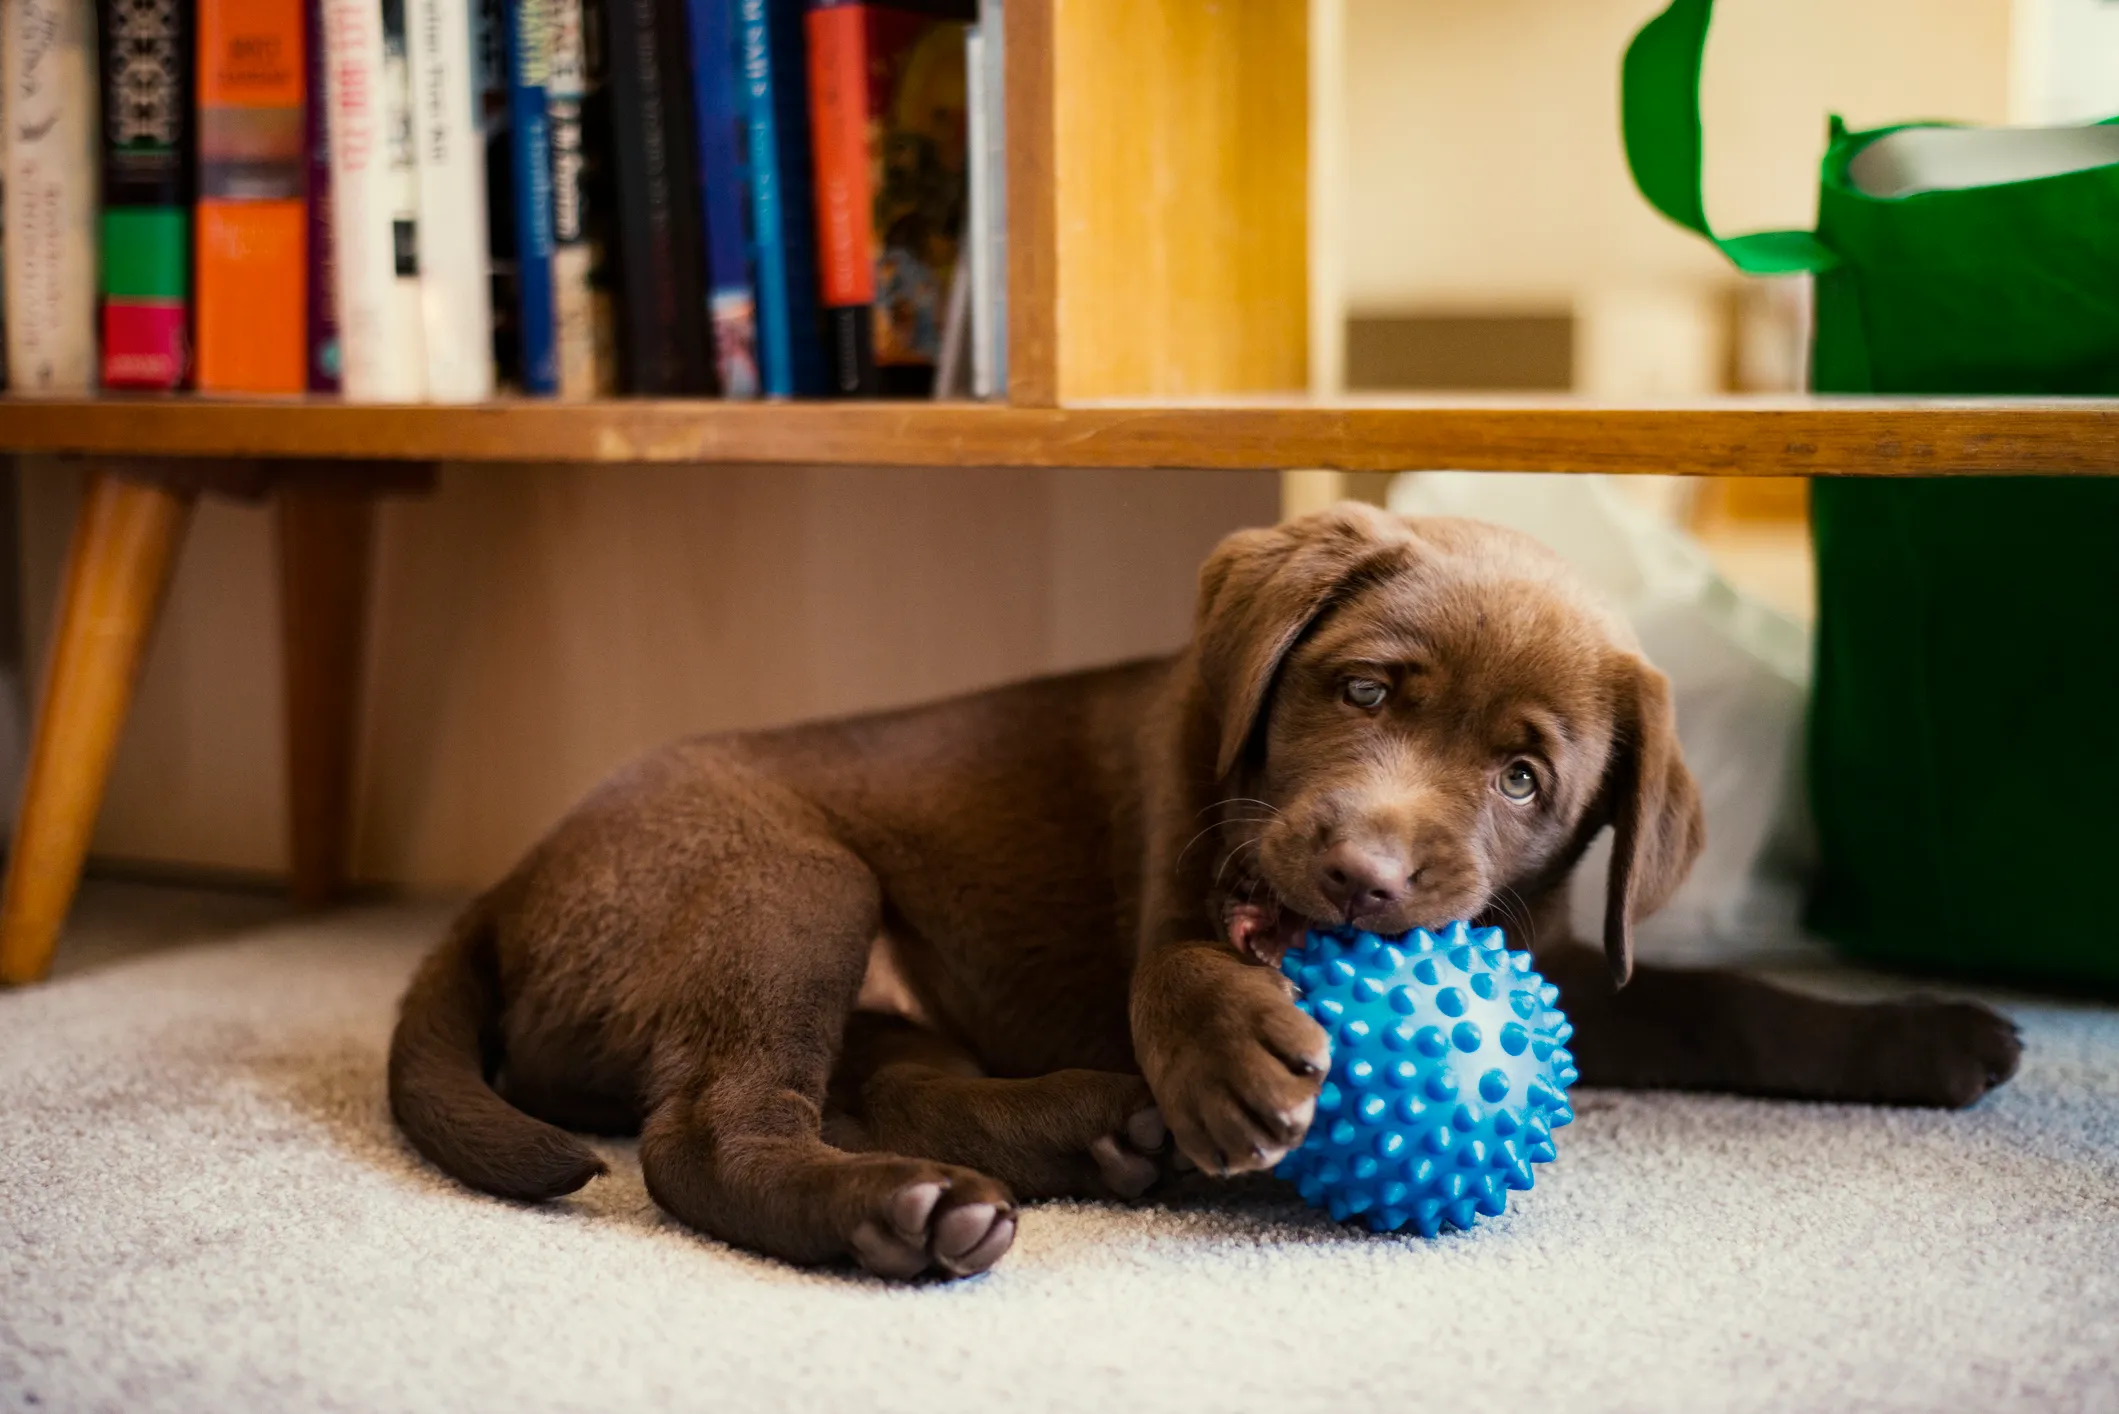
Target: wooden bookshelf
point(1734, 436)
point(1158, 317)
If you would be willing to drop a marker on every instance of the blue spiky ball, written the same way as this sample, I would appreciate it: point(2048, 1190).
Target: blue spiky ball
point(1449, 1074)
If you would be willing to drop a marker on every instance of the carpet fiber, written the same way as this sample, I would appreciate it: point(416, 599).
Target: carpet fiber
point(203, 1206)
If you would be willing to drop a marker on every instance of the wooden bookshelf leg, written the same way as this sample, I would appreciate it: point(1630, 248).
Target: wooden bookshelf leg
point(123, 547)
point(1312, 490)
point(325, 537)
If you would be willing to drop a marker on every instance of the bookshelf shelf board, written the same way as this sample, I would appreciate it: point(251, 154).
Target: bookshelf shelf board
point(1732, 436)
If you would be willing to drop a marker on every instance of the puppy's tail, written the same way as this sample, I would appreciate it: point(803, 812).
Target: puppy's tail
point(439, 1092)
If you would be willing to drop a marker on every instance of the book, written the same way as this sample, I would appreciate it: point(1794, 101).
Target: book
point(529, 31)
point(986, 241)
point(973, 272)
point(724, 193)
point(455, 293)
point(577, 107)
point(887, 122)
point(51, 194)
point(782, 206)
point(146, 61)
point(378, 329)
point(4, 81)
point(952, 363)
point(660, 268)
point(407, 317)
point(490, 79)
point(321, 330)
point(250, 223)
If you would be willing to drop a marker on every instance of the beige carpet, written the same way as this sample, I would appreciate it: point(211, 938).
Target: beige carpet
point(203, 1207)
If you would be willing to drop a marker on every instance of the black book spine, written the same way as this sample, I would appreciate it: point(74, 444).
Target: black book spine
point(695, 342)
point(851, 336)
point(659, 271)
point(145, 56)
point(490, 32)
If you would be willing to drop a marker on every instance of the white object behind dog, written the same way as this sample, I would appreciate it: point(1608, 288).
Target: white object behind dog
point(1739, 671)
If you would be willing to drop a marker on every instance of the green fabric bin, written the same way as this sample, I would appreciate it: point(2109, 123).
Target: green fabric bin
point(1964, 733)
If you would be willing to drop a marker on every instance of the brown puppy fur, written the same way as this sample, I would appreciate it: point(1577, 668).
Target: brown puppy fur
point(1071, 888)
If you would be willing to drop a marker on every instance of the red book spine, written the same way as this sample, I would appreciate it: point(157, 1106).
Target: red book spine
point(838, 121)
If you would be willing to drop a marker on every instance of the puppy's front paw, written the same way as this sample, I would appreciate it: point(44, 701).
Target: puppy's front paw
point(1243, 1091)
point(1931, 1051)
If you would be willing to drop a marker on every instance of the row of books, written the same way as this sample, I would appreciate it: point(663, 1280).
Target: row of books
point(424, 200)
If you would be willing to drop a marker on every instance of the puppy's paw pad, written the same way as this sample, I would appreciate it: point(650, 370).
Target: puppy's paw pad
point(952, 1220)
point(882, 1251)
point(910, 1208)
point(1146, 1131)
point(971, 1237)
point(1124, 1172)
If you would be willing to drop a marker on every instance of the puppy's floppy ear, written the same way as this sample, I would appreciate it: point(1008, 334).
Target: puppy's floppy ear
point(1260, 589)
point(1657, 824)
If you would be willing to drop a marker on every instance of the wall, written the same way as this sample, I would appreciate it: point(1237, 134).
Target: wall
point(1483, 166)
point(535, 626)
point(2065, 61)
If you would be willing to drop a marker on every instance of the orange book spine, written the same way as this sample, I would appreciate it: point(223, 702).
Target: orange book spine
point(838, 98)
point(253, 225)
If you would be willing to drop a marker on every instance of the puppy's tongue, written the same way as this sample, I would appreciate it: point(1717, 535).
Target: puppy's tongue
point(1263, 931)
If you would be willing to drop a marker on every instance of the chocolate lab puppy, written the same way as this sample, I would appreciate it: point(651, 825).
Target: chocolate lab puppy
point(861, 986)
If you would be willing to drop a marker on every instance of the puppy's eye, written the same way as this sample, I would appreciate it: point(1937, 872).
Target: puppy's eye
point(1518, 782)
point(1366, 693)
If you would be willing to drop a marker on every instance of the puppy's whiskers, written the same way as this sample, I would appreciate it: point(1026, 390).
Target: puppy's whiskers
point(1177, 862)
point(1268, 806)
point(1219, 824)
point(1517, 920)
point(1241, 845)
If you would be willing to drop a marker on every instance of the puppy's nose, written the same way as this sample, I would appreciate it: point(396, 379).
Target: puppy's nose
point(1361, 877)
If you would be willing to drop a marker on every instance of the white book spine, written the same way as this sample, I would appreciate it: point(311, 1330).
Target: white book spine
point(6, 78)
point(455, 282)
point(407, 333)
point(978, 254)
point(989, 169)
point(50, 74)
point(363, 208)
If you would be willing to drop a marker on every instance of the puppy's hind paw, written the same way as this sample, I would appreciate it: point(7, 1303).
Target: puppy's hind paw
point(1130, 1163)
point(1946, 1053)
point(952, 1221)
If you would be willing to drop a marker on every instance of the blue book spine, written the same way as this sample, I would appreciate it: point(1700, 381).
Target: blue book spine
point(783, 224)
point(724, 195)
point(529, 33)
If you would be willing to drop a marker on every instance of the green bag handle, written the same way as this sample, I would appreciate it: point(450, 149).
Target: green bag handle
point(1659, 102)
